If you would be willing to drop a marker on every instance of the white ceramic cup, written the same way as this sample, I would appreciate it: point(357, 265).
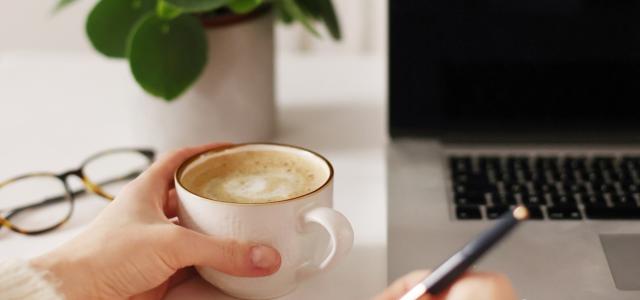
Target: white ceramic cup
point(307, 232)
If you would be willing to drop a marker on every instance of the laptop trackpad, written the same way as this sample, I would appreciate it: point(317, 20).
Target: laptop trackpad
point(623, 256)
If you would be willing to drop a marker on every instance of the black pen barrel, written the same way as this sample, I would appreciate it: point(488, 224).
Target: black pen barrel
point(488, 239)
point(453, 267)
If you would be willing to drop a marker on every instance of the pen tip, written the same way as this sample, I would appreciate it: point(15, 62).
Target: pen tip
point(521, 213)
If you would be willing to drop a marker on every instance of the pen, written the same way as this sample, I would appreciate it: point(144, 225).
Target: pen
point(456, 265)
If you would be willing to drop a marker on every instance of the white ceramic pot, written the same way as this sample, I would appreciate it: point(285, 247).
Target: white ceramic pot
point(233, 99)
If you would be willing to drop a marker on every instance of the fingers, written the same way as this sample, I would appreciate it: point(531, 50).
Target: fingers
point(187, 248)
point(153, 294)
point(160, 174)
point(181, 276)
point(472, 286)
point(160, 291)
point(481, 286)
point(170, 206)
point(401, 286)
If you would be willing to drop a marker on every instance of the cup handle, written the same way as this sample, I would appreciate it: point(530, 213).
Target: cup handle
point(341, 235)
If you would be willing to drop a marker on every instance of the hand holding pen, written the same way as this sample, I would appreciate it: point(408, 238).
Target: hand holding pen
point(451, 281)
point(471, 286)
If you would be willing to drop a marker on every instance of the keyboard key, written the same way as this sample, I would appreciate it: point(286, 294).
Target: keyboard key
point(543, 188)
point(492, 176)
point(533, 200)
point(517, 162)
point(605, 188)
point(594, 201)
point(489, 162)
point(494, 212)
point(581, 176)
point(517, 188)
point(460, 164)
point(470, 199)
point(596, 178)
point(575, 163)
point(626, 176)
point(631, 188)
point(611, 176)
point(468, 178)
point(623, 201)
point(535, 213)
point(575, 188)
point(563, 200)
point(468, 213)
point(508, 199)
point(568, 177)
point(495, 198)
point(563, 213)
point(610, 213)
point(471, 185)
point(524, 176)
point(602, 163)
point(546, 164)
point(460, 189)
point(485, 188)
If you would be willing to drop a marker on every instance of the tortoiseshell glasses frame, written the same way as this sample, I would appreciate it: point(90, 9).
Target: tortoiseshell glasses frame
point(68, 194)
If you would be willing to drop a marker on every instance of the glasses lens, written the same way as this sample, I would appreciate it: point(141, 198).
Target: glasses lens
point(35, 203)
point(113, 170)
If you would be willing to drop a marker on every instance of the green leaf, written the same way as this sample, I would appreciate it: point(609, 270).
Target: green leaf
point(244, 6)
point(62, 4)
point(190, 6)
point(167, 11)
point(292, 8)
point(310, 7)
point(167, 56)
point(282, 14)
point(110, 22)
point(329, 17)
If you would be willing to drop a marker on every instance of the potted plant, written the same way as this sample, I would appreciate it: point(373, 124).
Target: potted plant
point(215, 57)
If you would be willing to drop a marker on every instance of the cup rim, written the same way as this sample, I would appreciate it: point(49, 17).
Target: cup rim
point(189, 160)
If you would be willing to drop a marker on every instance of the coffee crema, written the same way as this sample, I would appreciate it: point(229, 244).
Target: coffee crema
point(253, 176)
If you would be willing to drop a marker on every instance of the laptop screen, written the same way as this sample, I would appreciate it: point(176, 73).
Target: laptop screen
point(514, 67)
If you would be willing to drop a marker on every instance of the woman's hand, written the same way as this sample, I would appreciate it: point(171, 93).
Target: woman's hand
point(472, 286)
point(134, 250)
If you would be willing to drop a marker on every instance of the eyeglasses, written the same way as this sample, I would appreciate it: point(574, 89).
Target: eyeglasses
point(36, 203)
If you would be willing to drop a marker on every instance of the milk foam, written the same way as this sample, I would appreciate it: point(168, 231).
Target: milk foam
point(254, 177)
point(258, 187)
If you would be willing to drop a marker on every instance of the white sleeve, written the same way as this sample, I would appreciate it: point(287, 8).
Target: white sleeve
point(19, 280)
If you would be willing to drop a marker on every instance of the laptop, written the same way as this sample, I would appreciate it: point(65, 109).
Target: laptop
point(494, 104)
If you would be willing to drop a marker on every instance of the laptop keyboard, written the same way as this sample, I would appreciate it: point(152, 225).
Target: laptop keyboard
point(552, 187)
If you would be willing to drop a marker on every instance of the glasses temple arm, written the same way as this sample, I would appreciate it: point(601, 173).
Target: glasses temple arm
point(57, 199)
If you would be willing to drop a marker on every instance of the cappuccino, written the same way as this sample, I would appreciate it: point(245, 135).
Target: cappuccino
point(254, 176)
point(269, 194)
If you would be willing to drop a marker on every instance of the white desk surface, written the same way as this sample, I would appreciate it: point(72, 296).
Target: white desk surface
point(57, 109)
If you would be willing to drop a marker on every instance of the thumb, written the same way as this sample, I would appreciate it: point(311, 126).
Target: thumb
point(225, 255)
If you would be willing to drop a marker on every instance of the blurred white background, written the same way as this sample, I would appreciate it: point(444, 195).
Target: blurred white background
point(32, 26)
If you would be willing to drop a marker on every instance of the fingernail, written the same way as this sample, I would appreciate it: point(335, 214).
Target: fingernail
point(264, 257)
